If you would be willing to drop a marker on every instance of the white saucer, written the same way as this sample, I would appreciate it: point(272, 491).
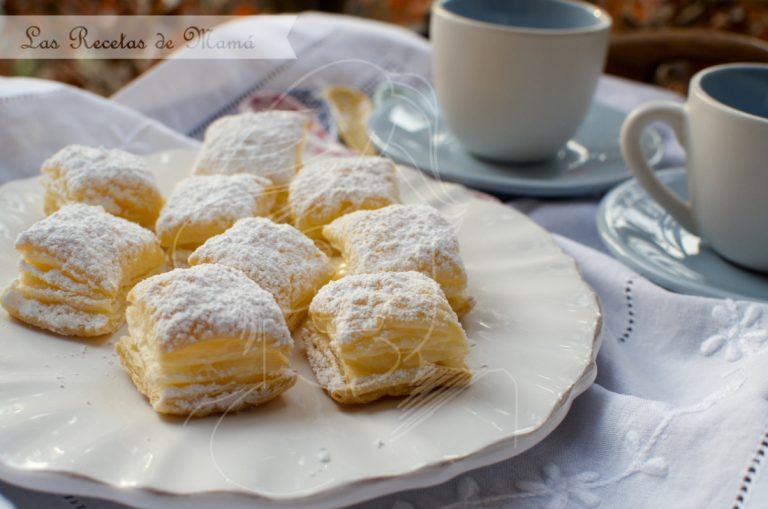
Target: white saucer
point(407, 127)
point(645, 237)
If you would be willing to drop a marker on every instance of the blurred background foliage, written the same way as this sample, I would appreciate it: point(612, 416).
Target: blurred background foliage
point(748, 17)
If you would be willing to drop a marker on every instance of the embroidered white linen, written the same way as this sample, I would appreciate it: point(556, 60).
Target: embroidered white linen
point(678, 415)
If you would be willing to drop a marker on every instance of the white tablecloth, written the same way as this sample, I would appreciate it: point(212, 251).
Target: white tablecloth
point(678, 416)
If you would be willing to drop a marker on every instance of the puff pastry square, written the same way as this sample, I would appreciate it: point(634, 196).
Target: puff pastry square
point(385, 334)
point(276, 256)
point(329, 188)
point(118, 181)
point(205, 340)
point(268, 144)
point(76, 267)
point(401, 238)
point(202, 206)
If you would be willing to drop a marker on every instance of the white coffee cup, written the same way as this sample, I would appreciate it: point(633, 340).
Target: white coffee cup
point(724, 130)
point(515, 79)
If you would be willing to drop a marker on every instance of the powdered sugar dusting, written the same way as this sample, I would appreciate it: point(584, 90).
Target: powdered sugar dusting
point(85, 240)
point(267, 143)
point(277, 256)
point(205, 302)
point(398, 238)
point(323, 456)
point(331, 187)
point(357, 305)
point(100, 176)
point(216, 201)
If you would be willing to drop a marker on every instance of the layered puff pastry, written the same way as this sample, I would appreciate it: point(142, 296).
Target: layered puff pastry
point(77, 265)
point(401, 238)
point(268, 144)
point(329, 188)
point(276, 256)
point(202, 206)
point(205, 340)
point(118, 181)
point(387, 334)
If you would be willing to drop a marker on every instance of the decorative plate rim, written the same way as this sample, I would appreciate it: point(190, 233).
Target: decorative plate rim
point(422, 477)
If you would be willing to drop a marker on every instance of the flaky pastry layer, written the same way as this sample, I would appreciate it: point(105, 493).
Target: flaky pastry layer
point(328, 188)
point(401, 238)
point(201, 390)
point(116, 180)
point(329, 373)
point(205, 339)
point(369, 331)
point(276, 256)
point(60, 318)
point(268, 144)
point(77, 266)
point(202, 206)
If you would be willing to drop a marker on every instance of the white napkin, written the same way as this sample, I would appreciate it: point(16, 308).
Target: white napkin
point(38, 117)
point(679, 413)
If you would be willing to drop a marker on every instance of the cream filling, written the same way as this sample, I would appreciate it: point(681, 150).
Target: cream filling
point(191, 235)
point(43, 281)
point(217, 360)
point(41, 275)
point(45, 270)
point(389, 350)
point(47, 267)
point(50, 296)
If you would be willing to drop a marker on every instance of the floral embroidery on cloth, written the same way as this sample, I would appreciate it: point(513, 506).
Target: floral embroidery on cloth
point(740, 332)
point(556, 489)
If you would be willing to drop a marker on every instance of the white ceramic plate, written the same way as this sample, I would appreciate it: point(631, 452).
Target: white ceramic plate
point(70, 420)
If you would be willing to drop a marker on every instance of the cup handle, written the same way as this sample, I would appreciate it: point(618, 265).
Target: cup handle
point(674, 115)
